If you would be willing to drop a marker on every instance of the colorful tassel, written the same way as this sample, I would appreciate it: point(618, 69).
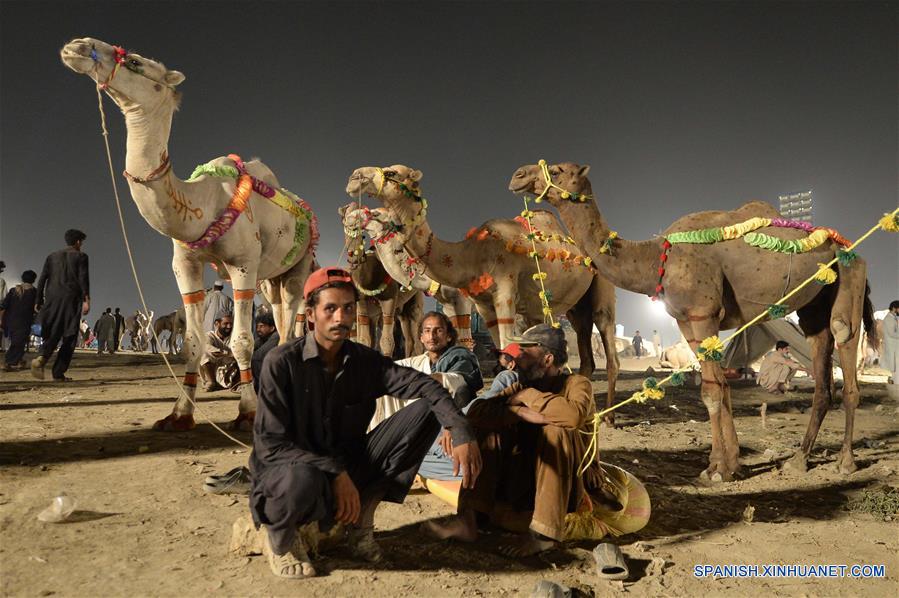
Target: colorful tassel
point(825, 275)
point(711, 349)
point(777, 311)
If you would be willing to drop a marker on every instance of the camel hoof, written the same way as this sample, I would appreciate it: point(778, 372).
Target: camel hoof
point(244, 422)
point(712, 479)
point(846, 465)
point(175, 423)
point(797, 464)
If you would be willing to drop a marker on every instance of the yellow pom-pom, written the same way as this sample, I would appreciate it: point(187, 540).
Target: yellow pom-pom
point(557, 325)
point(547, 311)
point(711, 349)
point(542, 162)
point(565, 194)
point(613, 235)
point(588, 261)
point(825, 275)
point(639, 397)
point(538, 200)
point(890, 222)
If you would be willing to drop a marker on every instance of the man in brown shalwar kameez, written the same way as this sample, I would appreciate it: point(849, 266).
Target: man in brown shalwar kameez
point(778, 368)
point(532, 447)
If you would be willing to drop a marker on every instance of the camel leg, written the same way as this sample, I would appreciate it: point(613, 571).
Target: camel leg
point(292, 283)
point(581, 321)
point(462, 309)
point(822, 369)
point(488, 314)
point(271, 290)
point(606, 328)
point(388, 313)
point(715, 393)
point(504, 307)
point(363, 322)
point(243, 280)
point(846, 462)
point(413, 311)
point(189, 275)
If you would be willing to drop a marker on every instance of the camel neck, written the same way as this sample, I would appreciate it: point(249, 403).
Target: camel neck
point(442, 259)
point(631, 265)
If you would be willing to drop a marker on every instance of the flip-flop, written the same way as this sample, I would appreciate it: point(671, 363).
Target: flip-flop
point(239, 483)
point(214, 478)
point(610, 563)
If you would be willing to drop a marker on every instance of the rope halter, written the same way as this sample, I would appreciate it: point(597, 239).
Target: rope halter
point(572, 196)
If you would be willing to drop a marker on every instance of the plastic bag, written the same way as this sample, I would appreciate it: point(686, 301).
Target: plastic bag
point(59, 510)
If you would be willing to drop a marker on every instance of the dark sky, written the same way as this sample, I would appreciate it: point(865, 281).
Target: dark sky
point(677, 107)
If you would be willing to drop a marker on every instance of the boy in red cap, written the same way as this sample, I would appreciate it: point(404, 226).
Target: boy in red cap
point(312, 460)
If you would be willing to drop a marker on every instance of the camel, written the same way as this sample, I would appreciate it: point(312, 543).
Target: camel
point(373, 282)
point(720, 286)
point(138, 327)
point(394, 258)
point(493, 267)
point(273, 242)
point(173, 323)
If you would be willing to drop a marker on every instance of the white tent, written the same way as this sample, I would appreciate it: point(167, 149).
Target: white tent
point(760, 338)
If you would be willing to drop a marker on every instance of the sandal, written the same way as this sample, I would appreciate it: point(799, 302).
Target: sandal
point(294, 559)
point(361, 541)
point(610, 563)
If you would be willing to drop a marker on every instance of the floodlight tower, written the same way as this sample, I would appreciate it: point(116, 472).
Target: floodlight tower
point(797, 206)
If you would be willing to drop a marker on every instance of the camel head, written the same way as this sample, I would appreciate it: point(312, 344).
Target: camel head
point(569, 182)
point(132, 81)
point(353, 218)
point(386, 184)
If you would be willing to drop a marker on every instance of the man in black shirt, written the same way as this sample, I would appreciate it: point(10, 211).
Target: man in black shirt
point(312, 460)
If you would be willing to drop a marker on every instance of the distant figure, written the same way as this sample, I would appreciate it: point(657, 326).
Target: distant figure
point(3, 333)
point(778, 368)
point(890, 359)
point(119, 329)
point(218, 367)
point(216, 305)
point(63, 296)
point(267, 338)
point(657, 343)
point(85, 330)
point(637, 341)
point(104, 329)
point(16, 318)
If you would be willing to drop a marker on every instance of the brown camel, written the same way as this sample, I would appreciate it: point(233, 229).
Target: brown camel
point(373, 282)
point(494, 268)
point(719, 286)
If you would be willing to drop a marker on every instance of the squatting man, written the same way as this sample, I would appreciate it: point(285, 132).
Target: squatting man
point(312, 460)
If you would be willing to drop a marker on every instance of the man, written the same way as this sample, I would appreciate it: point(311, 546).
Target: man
point(637, 341)
point(890, 359)
point(451, 364)
point(104, 329)
point(533, 446)
point(215, 305)
point(63, 296)
point(3, 333)
point(778, 368)
point(119, 330)
point(657, 343)
point(218, 367)
point(16, 318)
point(267, 338)
point(312, 460)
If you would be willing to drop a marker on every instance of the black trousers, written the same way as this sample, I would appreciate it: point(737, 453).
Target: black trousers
point(66, 350)
point(18, 340)
point(287, 496)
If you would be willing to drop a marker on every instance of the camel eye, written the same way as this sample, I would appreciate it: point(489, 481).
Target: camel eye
point(134, 63)
point(389, 173)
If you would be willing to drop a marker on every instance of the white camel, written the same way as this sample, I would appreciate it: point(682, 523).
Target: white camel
point(230, 214)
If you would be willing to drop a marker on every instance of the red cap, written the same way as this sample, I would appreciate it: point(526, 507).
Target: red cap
point(513, 350)
point(323, 276)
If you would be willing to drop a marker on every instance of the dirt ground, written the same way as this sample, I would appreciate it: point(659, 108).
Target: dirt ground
point(144, 527)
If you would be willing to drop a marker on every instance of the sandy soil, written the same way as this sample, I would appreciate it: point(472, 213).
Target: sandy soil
point(144, 526)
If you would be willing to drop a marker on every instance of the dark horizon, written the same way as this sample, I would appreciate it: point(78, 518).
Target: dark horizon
point(677, 108)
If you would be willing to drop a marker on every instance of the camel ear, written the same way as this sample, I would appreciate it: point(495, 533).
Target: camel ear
point(583, 171)
point(415, 175)
point(174, 78)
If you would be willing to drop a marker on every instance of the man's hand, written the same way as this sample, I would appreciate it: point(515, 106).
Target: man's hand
point(346, 499)
point(85, 307)
point(467, 457)
point(438, 377)
point(446, 442)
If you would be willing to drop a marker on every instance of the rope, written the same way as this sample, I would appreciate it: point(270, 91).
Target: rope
point(140, 291)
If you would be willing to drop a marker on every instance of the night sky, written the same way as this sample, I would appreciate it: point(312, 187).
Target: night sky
point(677, 108)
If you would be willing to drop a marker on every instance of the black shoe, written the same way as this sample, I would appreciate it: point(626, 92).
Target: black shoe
point(236, 483)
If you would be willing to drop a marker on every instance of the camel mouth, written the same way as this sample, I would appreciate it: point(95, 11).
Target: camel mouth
point(76, 58)
point(520, 188)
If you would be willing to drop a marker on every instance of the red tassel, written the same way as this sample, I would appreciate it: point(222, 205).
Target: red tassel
point(666, 244)
point(659, 288)
point(661, 271)
point(664, 258)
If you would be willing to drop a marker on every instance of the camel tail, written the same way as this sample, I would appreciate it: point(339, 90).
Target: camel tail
point(868, 317)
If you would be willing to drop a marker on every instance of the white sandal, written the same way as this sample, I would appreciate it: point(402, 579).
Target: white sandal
point(281, 564)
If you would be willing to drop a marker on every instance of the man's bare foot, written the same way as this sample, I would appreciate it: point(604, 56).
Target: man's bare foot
point(457, 528)
point(293, 564)
point(528, 545)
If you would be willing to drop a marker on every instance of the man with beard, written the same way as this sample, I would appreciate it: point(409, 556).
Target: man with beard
point(218, 367)
point(16, 317)
point(532, 445)
point(312, 461)
point(267, 338)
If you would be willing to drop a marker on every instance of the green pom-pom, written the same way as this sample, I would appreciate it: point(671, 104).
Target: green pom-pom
point(532, 236)
point(677, 379)
point(846, 257)
point(549, 295)
point(650, 382)
point(777, 311)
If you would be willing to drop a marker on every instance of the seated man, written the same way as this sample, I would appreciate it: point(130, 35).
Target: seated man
point(451, 364)
point(533, 447)
point(312, 460)
point(267, 338)
point(778, 368)
point(218, 368)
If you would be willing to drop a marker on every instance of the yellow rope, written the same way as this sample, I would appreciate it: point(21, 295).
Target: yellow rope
point(642, 396)
point(140, 291)
point(540, 276)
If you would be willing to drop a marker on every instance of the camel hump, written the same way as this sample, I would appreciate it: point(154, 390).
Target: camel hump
point(713, 218)
point(544, 221)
